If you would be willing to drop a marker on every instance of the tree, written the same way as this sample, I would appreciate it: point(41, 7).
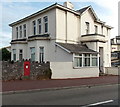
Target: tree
point(6, 55)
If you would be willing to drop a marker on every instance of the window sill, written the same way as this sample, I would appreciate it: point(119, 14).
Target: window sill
point(85, 67)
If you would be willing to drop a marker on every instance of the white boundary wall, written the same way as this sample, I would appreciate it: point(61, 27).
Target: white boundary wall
point(63, 70)
point(112, 70)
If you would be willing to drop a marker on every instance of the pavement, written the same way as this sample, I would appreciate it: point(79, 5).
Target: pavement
point(37, 85)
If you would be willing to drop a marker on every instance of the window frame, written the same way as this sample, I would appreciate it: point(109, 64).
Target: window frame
point(14, 54)
point(87, 27)
point(45, 18)
point(32, 53)
point(41, 54)
point(75, 56)
point(34, 27)
point(20, 54)
point(24, 30)
point(20, 28)
point(96, 29)
point(39, 21)
point(17, 34)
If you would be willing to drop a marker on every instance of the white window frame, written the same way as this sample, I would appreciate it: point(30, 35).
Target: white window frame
point(17, 32)
point(41, 54)
point(39, 21)
point(32, 53)
point(45, 22)
point(77, 56)
point(102, 29)
point(14, 54)
point(86, 57)
point(20, 53)
point(96, 29)
point(92, 59)
point(83, 59)
point(87, 27)
point(20, 27)
point(24, 30)
point(34, 27)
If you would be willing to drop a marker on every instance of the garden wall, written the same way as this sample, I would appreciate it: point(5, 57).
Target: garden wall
point(15, 71)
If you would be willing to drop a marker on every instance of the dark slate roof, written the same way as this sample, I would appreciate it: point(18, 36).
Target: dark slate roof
point(83, 9)
point(76, 48)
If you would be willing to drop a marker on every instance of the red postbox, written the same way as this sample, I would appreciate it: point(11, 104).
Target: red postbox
point(26, 68)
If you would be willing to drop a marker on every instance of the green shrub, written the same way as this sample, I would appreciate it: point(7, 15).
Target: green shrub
point(48, 73)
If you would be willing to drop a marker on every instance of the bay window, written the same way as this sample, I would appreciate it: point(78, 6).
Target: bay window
point(85, 60)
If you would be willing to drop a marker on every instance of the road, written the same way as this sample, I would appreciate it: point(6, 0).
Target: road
point(98, 95)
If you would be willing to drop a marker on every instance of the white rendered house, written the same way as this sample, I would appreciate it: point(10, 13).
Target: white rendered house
point(76, 43)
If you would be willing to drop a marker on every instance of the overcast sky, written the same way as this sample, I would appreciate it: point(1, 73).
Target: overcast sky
point(13, 10)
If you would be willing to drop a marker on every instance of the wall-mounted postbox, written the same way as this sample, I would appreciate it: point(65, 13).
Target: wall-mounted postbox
point(26, 68)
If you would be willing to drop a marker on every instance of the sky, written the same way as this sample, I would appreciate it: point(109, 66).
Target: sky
point(13, 10)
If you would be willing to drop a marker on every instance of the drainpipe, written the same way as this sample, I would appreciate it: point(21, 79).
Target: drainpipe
point(66, 26)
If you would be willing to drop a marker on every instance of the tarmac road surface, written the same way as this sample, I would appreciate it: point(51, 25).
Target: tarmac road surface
point(92, 96)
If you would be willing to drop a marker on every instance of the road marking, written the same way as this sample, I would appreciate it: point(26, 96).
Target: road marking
point(103, 102)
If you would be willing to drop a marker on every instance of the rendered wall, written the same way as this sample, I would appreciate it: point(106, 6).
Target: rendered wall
point(62, 70)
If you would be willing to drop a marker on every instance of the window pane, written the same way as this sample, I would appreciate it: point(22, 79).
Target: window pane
point(41, 54)
point(78, 62)
point(20, 54)
point(24, 26)
point(32, 54)
point(39, 29)
point(45, 19)
point(20, 31)
point(46, 27)
point(17, 32)
point(86, 61)
point(14, 54)
point(94, 62)
point(34, 27)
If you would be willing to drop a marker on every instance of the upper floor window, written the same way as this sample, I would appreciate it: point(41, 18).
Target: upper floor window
point(102, 30)
point(39, 26)
point(45, 24)
point(96, 29)
point(24, 30)
point(87, 27)
point(20, 31)
point(107, 31)
point(34, 27)
point(17, 32)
